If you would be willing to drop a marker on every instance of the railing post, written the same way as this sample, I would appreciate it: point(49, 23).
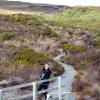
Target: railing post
point(34, 91)
point(1, 96)
point(59, 88)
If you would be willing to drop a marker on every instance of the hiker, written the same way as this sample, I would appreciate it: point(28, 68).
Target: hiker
point(45, 74)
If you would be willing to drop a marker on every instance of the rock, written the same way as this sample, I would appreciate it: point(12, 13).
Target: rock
point(3, 82)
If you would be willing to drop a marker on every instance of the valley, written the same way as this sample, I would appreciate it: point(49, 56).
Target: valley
point(29, 38)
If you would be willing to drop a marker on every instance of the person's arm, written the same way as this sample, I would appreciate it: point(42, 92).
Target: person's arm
point(42, 76)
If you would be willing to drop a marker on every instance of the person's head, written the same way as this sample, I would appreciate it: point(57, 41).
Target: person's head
point(47, 66)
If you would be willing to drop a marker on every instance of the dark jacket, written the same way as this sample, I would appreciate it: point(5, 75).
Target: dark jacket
point(45, 74)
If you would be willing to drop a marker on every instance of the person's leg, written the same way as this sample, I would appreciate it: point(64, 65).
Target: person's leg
point(45, 96)
point(45, 88)
point(40, 87)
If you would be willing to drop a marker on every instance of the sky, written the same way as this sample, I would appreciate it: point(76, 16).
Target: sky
point(66, 2)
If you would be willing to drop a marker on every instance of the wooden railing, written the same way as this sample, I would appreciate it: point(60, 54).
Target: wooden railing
point(34, 92)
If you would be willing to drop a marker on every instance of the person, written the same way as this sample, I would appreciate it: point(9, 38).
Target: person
point(45, 74)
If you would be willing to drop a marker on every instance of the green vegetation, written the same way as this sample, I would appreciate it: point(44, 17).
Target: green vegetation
point(96, 43)
point(84, 18)
point(7, 36)
point(72, 48)
point(22, 19)
point(28, 32)
point(47, 31)
point(17, 55)
point(25, 24)
point(27, 56)
point(87, 18)
point(19, 61)
point(87, 91)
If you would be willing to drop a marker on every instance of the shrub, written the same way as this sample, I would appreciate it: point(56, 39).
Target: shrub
point(79, 85)
point(7, 36)
point(73, 48)
point(96, 43)
point(57, 68)
point(47, 31)
point(27, 56)
point(22, 18)
point(87, 91)
point(83, 18)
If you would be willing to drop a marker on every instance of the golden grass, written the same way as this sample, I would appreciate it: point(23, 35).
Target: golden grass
point(3, 11)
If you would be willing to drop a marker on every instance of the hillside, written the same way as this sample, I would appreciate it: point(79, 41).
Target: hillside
point(83, 18)
point(28, 41)
point(23, 6)
point(79, 17)
point(26, 44)
point(77, 21)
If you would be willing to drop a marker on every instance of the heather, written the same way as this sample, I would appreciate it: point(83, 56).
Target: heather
point(15, 62)
point(87, 81)
point(84, 18)
point(82, 47)
point(25, 46)
point(29, 41)
point(72, 48)
point(20, 24)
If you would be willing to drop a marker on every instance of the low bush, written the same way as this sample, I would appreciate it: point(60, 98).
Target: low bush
point(7, 36)
point(87, 91)
point(27, 56)
point(72, 48)
point(47, 31)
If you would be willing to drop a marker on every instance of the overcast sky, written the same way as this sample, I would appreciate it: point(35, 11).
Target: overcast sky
point(66, 2)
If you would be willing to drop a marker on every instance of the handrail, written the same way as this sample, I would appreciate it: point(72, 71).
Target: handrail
point(31, 94)
point(16, 87)
point(26, 84)
point(34, 92)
